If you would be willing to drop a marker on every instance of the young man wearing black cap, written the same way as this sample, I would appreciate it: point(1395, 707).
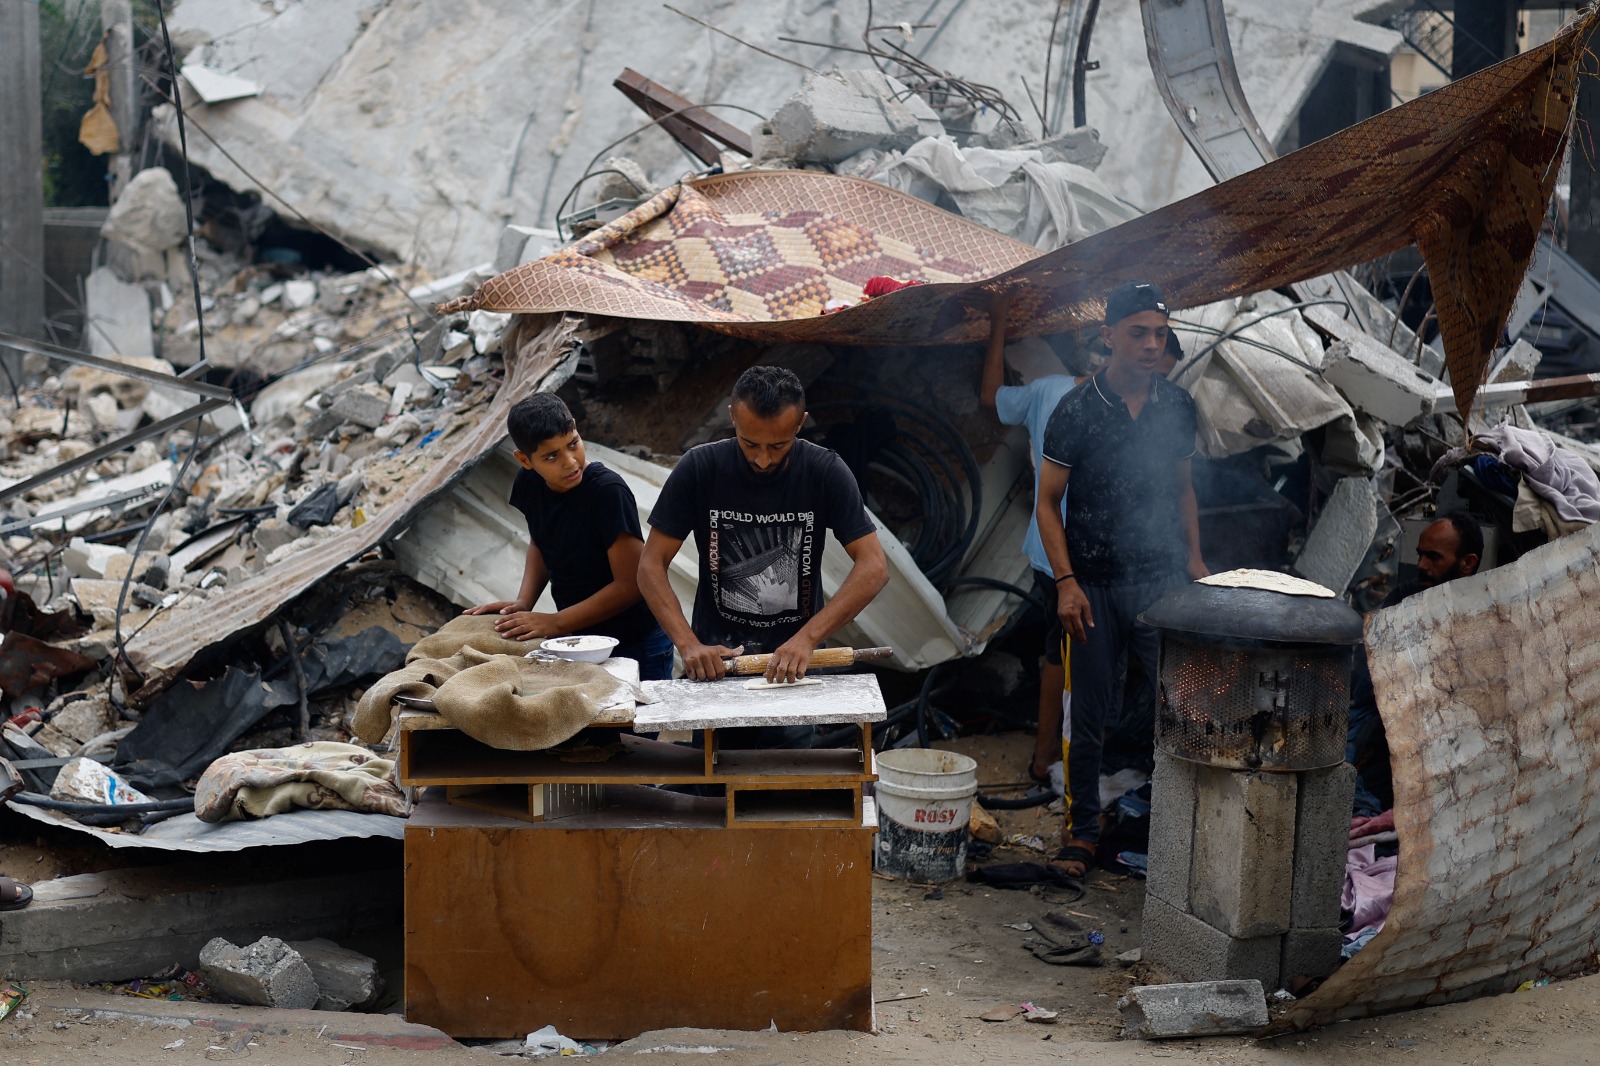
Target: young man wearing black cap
point(1124, 438)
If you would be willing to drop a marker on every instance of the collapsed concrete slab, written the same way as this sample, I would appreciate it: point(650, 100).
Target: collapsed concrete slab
point(397, 161)
point(1336, 546)
point(136, 922)
point(1379, 382)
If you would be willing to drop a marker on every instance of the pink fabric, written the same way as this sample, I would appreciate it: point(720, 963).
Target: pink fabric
point(1368, 887)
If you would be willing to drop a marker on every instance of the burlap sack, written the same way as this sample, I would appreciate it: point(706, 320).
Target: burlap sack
point(482, 685)
point(524, 704)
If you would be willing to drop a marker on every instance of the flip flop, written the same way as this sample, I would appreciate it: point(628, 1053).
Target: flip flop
point(14, 895)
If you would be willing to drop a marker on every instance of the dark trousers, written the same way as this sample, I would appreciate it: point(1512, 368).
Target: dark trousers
point(1097, 690)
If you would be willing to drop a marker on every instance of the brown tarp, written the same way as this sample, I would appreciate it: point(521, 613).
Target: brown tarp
point(1464, 172)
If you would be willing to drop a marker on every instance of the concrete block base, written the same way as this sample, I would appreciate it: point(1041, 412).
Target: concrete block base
point(1310, 953)
point(1242, 879)
point(1183, 947)
point(1321, 836)
point(1171, 847)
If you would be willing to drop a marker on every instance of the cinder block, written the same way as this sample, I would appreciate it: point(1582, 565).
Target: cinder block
point(1321, 837)
point(1310, 953)
point(1182, 947)
point(1243, 867)
point(1172, 804)
point(1210, 1008)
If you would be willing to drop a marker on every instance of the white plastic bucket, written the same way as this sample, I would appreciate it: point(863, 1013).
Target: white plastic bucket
point(924, 805)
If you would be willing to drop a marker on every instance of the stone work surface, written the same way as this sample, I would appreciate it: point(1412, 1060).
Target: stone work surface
point(1489, 688)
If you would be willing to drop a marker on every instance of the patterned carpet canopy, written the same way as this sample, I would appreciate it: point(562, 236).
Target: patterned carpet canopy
point(1464, 172)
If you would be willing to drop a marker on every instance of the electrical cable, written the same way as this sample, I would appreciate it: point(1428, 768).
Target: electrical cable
point(1037, 798)
point(588, 169)
point(35, 799)
point(922, 704)
point(200, 334)
point(1220, 337)
point(1003, 586)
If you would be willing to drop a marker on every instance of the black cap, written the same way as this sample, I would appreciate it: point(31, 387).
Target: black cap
point(1132, 298)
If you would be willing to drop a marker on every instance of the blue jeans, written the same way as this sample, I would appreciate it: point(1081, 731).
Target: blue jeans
point(654, 654)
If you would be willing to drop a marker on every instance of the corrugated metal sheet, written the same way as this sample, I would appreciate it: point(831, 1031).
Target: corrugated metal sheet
point(188, 833)
point(1489, 688)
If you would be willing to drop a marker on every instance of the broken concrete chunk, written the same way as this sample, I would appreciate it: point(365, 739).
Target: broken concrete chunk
point(84, 719)
point(85, 559)
point(1377, 381)
point(346, 979)
point(837, 114)
point(1336, 546)
point(299, 293)
point(120, 313)
point(268, 973)
point(365, 405)
point(147, 219)
point(1207, 1008)
point(86, 781)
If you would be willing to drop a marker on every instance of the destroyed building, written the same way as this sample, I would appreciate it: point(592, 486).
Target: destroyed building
point(377, 286)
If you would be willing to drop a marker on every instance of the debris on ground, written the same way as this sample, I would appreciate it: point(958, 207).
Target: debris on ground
point(1206, 1008)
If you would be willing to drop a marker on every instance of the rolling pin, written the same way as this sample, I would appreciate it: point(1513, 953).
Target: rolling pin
point(750, 665)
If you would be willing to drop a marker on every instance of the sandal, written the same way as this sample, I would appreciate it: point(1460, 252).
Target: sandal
point(1036, 777)
point(13, 895)
point(1074, 858)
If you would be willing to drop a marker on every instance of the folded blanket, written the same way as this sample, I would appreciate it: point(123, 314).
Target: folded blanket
point(484, 686)
point(317, 776)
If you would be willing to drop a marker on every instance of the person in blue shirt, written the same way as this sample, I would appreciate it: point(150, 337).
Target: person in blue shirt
point(1031, 405)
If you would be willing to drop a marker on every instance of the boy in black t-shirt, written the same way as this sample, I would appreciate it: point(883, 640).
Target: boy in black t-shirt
point(758, 506)
point(584, 540)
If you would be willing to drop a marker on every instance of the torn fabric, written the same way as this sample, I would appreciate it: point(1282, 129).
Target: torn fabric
point(1465, 172)
point(1489, 689)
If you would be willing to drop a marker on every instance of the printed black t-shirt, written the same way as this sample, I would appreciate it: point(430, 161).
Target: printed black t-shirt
point(759, 537)
point(1124, 525)
point(574, 530)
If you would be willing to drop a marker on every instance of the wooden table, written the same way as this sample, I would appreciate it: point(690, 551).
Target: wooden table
point(544, 890)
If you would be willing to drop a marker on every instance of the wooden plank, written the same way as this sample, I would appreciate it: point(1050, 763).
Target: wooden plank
point(694, 127)
point(610, 932)
point(450, 757)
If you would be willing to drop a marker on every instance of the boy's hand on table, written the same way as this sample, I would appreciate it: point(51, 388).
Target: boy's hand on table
point(789, 662)
point(703, 662)
point(497, 607)
point(528, 625)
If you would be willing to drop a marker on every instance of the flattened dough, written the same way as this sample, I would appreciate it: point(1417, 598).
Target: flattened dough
point(761, 684)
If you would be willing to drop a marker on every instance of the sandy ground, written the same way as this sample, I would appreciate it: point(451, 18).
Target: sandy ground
point(941, 959)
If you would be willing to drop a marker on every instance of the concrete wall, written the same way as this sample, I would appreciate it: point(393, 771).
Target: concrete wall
point(403, 124)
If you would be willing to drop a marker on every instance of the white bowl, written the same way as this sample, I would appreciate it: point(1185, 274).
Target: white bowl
point(584, 649)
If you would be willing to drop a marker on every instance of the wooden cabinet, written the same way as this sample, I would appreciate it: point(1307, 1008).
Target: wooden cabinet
point(540, 891)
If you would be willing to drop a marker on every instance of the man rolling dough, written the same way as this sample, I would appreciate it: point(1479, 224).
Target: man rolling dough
point(758, 506)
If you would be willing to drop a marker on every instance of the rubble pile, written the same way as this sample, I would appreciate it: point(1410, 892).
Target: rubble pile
point(345, 389)
point(1324, 440)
